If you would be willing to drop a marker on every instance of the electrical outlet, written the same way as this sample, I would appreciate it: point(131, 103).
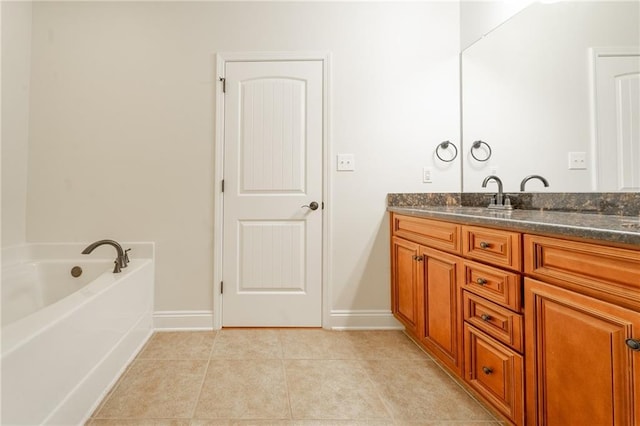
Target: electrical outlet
point(577, 160)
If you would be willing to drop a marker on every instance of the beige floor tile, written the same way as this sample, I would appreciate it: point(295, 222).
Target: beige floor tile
point(179, 345)
point(244, 389)
point(247, 344)
point(422, 392)
point(316, 344)
point(138, 422)
point(156, 389)
point(332, 389)
point(385, 345)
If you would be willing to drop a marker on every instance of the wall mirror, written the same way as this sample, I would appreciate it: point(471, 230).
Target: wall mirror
point(555, 91)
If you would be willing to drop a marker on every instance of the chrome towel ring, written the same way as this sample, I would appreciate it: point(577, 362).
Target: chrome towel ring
point(445, 146)
point(478, 145)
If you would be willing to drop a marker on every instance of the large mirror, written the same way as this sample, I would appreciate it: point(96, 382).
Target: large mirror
point(555, 91)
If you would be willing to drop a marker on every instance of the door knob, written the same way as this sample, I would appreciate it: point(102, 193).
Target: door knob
point(312, 205)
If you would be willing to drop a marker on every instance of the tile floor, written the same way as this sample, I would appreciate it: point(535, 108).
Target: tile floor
point(286, 377)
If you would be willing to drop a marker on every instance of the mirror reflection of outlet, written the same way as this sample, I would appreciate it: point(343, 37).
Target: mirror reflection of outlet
point(346, 163)
point(577, 160)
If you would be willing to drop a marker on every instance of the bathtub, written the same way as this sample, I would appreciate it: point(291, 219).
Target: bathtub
point(66, 340)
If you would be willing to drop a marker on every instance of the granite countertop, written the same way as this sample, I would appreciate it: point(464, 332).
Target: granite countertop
point(607, 228)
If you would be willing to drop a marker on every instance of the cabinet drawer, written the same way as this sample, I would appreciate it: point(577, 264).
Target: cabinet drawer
point(498, 322)
point(495, 372)
point(608, 273)
point(431, 233)
point(500, 248)
point(497, 285)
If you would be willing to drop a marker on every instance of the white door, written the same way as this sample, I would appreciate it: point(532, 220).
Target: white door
point(618, 122)
point(272, 249)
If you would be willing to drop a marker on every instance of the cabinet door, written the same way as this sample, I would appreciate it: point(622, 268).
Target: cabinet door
point(405, 283)
point(440, 331)
point(579, 369)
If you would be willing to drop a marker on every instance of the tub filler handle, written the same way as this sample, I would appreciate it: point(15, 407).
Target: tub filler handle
point(122, 258)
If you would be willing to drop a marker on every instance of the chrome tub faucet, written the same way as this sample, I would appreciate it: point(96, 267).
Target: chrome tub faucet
point(122, 258)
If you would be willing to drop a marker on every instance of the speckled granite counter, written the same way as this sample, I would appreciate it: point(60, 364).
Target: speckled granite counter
point(607, 228)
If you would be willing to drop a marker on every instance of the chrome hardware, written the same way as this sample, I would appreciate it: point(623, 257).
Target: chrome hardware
point(499, 203)
point(445, 145)
point(528, 178)
point(481, 281)
point(487, 370)
point(477, 145)
point(76, 271)
point(312, 206)
point(120, 262)
point(634, 344)
point(485, 317)
point(484, 245)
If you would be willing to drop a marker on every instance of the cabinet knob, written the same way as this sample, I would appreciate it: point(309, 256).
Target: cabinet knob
point(485, 317)
point(487, 370)
point(481, 281)
point(418, 258)
point(484, 245)
point(634, 344)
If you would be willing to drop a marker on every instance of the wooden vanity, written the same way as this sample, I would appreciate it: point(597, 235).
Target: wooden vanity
point(540, 326)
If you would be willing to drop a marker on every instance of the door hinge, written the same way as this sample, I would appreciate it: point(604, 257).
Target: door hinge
point(222, 185)
point(224, 84)
point(221, 287)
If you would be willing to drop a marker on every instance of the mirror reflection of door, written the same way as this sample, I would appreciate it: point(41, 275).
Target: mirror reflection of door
point(617, 119)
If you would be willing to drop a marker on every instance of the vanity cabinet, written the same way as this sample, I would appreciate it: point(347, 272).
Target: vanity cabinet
point(425, 272)
point(545, 330)
point(582, 304)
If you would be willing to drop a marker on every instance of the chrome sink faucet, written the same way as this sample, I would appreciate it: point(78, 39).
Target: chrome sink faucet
point(528, 178)
point(501, 203)
point(121, 261)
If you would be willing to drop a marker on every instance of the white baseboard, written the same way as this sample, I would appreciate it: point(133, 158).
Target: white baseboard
point(338, 320)
point(183, 320)
point(363, 320)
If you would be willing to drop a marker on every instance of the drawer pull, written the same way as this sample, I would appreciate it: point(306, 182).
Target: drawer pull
point(485, 317)
point(634, 344)
point(481, 281)
point(484, 245)
point(487, 370)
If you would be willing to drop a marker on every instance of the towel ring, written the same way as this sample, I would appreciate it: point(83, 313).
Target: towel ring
point(445, 145)
point(477, 145)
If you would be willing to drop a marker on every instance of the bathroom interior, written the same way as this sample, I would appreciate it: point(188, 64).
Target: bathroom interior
point(111, 130)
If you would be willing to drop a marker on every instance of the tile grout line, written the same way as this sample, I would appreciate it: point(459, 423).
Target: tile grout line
point(284, 372)
point(204, 378)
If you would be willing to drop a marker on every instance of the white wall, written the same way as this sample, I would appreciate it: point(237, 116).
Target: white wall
point(478, 18)
point(16, 57)
point(122, 126)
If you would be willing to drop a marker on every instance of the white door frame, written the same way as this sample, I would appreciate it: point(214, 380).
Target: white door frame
point(595, 54)
point(218, 212)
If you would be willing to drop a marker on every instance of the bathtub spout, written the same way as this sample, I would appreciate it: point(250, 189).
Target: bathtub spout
point(122, 259)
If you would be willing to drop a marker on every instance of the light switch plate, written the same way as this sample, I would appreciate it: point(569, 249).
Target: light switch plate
point(577, 160)
point(346, 163)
